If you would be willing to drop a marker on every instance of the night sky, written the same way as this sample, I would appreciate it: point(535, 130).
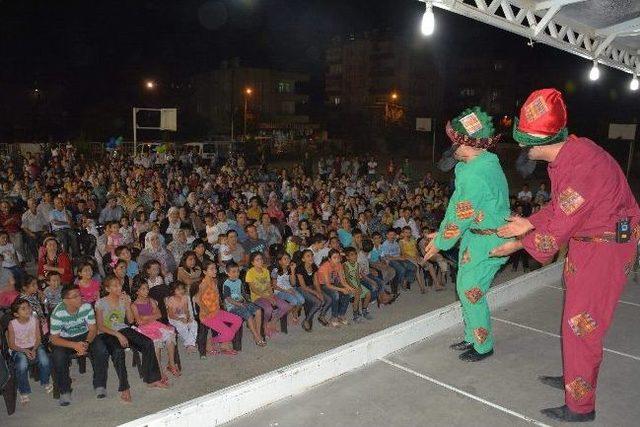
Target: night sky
point(88, 59)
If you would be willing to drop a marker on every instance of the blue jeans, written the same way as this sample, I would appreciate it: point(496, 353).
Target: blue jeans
point(405, 270)
point(22, 363)
point(294, 298)
point(369, 284)
point(313, 303)
point(339, 303)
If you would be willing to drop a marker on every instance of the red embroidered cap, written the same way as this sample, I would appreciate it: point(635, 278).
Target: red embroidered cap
point(544, 113)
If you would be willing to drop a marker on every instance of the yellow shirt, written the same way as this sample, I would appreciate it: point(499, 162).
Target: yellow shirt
point(259, 283)
point(254, 213)
point(408, 248)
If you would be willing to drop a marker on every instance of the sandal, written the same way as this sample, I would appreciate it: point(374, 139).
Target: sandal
point(306, 325)
point(24, 399)
point(229, 352)
point(323, 321)
point(261, 343)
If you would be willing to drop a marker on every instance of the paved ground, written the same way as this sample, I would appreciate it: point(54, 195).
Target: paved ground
point(204, 376)
point(425, 384)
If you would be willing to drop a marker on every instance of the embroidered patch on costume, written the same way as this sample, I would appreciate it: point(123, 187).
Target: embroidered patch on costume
point(480, 334)
point(570, 200)
point(451, 231)
point(471, 123)
point(545, 242)
point(479, 217)
point(466, 257)
point(582, 324)
point(536, 109)
point(578, 388)
point(474, 295)
point(569, 268)
point(464, 210)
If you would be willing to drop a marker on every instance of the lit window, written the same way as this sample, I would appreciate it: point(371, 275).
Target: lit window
point(285, 87)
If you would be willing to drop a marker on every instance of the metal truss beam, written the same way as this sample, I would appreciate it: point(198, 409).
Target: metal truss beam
point(540, 21)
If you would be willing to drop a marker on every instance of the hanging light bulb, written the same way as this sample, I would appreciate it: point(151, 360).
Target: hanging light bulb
point(634, 84)
point(594, 74)
point(428, 20)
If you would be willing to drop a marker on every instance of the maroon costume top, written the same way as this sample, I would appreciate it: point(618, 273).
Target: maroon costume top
point(589, 195)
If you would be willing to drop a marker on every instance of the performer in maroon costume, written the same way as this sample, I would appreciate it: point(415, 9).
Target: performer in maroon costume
point(590, 198)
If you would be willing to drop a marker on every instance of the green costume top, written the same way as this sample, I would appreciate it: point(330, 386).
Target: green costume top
point(480, 200)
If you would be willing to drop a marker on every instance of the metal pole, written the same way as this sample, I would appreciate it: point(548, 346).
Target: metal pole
point(245, 117)
point(135, 133)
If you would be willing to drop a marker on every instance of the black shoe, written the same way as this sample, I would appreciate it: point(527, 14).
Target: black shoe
point(555, 382)
point(473, 356)
point(564, 414)
point(461, 346)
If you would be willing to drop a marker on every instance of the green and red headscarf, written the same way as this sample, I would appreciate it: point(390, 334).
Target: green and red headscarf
point(543, 119)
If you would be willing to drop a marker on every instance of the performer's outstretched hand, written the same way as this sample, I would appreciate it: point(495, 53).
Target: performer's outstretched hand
point(431, 248)
point(506, 249)
point(516, 226)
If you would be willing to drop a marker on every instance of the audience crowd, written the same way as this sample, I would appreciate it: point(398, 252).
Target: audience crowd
point(165, 253)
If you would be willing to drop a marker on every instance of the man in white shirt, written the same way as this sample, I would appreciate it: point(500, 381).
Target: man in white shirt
point(405, 220)
point(61, 223)
point(525, 196)
point(32, 225)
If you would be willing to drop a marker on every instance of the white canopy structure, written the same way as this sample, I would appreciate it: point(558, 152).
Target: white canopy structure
point(603, 31)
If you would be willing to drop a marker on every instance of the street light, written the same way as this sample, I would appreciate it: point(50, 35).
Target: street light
point(394, 96)
point(150, 84)
point(247, 93)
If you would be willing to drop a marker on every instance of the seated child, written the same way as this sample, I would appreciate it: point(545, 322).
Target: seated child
point(259, 282)
point(88, 285)
point(371, 277)
point(52, 293)
point(225, 324)
point(26, 347)
point(8, 292)
point(180, 315)
point(113, 311)
point(29, 292)
point(283, 280)
point(236, 303)
point(362, 296)
point(146, 314)
point(11, 259)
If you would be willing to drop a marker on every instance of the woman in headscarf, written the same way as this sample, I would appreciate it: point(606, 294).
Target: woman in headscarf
point(154, 249)
point(52, 258)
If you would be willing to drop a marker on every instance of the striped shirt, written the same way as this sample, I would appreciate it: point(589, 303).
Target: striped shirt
point(69, 325)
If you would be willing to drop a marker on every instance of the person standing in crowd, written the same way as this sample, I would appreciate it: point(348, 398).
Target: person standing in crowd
point(479, 204)
point(593, 211)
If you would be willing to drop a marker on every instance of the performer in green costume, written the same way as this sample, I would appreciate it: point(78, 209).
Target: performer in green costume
point(479, 205)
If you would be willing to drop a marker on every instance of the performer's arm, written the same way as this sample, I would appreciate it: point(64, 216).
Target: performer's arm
point(558, 221)
point(460, 212)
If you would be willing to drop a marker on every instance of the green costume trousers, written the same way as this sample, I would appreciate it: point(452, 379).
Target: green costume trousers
point(476, 271)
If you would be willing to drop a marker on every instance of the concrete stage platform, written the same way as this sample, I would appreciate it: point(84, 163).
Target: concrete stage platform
point(425, 383)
